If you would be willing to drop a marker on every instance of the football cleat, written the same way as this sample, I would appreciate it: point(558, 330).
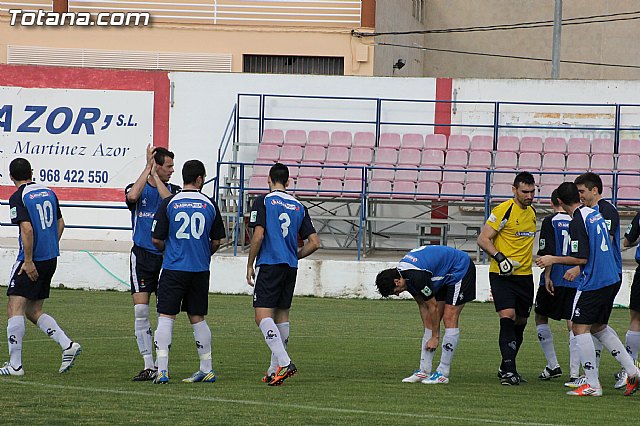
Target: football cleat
point(416, 377)
point(200, 376)
point(586, 390)
point(621, 380)
point(162, 378)
point(282, 374)
point(8, 370)
point(69, 356)
point(267, 377)
point(632, 384)
point(510, 379)
point(145, 375)
point(550, 373)
point(575, 382)
point(436, 378)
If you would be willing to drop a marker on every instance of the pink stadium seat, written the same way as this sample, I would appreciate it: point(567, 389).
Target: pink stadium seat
point(383, 174)
point(530, 161)
point(508, 144)
point(386, 156)
point(337, 154)
point(506, 160)
point(602, 146)
point(314, 170)
point(427, 191)
point(293, 172)
point(546, 190)
point(404, 190)
point(602, 162)
point(330, 188)
point(629, 146)
point(314, 154)
point(380, 189)
point(552, 179)
point(632, 195)
point(482, 143)
point(456, 159)
point(432, 158)
point(578, 162)
point(436, 141)
point(295, 137)
point(259, 171)
point(629, 180)
point(257, 184)
point(291, 154)
point(531, 144)
point(579, 146)
point(409, 157)
point(629, 162)
point(413, 141)
point(479, 160)
point(452, 177)
point(407, 176)
point(501, 191)
point(504, 175)
point(479, 177)
point(551, 161)
point(364, 140)
point(306, 186)
point(451, 191)
point(267, 153)
point(342, 139)
point(354, 171)
point(607, 179)
point(558, 145)
point(352, 188)
point(429, 176)
point(273, 137)
point(459, 142)
point(318, 137)
point(361, 156)
point(333, 172)
point(389, 140)
point(474, 192)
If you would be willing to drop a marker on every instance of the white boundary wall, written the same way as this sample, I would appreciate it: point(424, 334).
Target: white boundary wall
point(319, 278)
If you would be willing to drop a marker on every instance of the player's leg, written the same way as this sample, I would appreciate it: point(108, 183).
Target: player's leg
point(281, 318)
point(15, 334)
point(632, 338)
point(170, 295)
point(423, 372)
point(504, 301)
point(546, 306)
point(575, 380)
point(587, 353)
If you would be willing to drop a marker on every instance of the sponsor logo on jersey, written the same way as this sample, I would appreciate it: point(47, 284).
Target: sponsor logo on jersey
point(411, 258)
point(288, 206)
point(189, 204)
point(525, 234)
point(149, 215)
point(40, 194)
point(596, 218)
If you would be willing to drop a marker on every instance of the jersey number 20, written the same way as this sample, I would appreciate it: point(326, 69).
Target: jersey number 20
point(195, 223)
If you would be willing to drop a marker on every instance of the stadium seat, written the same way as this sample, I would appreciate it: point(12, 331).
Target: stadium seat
point(556, 145)
point(267, 153)
point(578, 162)
point(273, 137)
point(341, 139)
point(531, 144)
point(602, 146)
point(551, 179)
point(501, 191)
point(294, 170)
point(607, 179)
point(629, 196)
point(352, 188)
point(334, 172)
point(546, 190)
point(383, 174)
point(452, 177)
point(479, 177)
point(361, 156)
point(337, 154)
point(295, 137)
point(429, 176)
point(629, 180)
point(409, 157)
point(508, 144)
point(364, 140)
point(629, 146)
point(451, 191)
point(387, 156)
point(260, 171)
point(291, 154)
point(629, 162)
point(257, 184)
point(554, 160)
point(504, 176)
point(506, 160)
point(602, 162)
point(404, 190)
point(579, 146)
point(306, 187)
point(314, 154)
point(479, 160)
point(310, 170)
point(427, 190)
point(482, 143)
point(407, 176)
point(389, 140)
point(413, 141)
point(330, 188)
point(436, 141)
point(531, 161)
point(474, 192)
point(432, 158)
point(318, 137)
point(456, 159)
point(380, 189)
point(354, 171)
point(459, 142)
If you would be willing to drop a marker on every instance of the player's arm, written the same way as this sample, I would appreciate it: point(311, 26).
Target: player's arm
point(28, 267)
point(485, 241)
point(633, 232)
point(254, 249)
point(549, 260)
point(218, 232)
point(134, 192)
point(60, 223)
point(160, 226)
point(163, 191)
point(308, 233)
point(429, 313)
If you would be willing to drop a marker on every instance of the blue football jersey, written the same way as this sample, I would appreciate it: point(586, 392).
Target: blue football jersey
point(555, 240)
point(283, 218)
point(612, 219)
point(142, 213)
point(633, 233)
point(590, 240)
point(38, 205)
point(187, 222)
point(446, 265)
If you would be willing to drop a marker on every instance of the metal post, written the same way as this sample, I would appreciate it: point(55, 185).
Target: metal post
point(557, 29)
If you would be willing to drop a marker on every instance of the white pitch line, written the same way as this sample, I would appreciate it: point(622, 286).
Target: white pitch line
point(272, 404)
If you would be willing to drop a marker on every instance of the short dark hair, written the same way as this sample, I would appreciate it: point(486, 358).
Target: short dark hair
point(524, 177)
point(568, 193)
point(160, 155)
point(191, 170)
point(384, 281)
point(554, 198)
point(590, 180)
point(20, 169)
point(279, 173)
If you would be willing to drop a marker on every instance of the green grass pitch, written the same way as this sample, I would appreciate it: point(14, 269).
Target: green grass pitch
point(351, 356)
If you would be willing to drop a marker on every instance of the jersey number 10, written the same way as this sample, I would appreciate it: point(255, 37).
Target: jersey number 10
point(45, 211)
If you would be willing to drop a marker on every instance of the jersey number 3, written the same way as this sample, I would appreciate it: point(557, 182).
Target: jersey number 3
point(284, 226)
point(194, 224)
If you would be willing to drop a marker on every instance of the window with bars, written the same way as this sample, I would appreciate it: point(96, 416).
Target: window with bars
point(276, 64)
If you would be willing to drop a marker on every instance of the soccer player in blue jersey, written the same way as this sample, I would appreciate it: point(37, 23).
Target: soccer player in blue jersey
point(34, 208)
point(555, 294)
point(590, 248)
point(277, 219)
point(145, 262)
point(441, 280)
point(188, 228)
point(632, 340)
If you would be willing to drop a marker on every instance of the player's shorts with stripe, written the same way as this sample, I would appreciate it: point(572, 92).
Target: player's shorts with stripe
point(183, 291)
point(461, 292)
point(634, 302)
point(144, 270)
point(594, 306)
point(557, 307)
point(512, 292)
point(274, 286)
point(21, 285)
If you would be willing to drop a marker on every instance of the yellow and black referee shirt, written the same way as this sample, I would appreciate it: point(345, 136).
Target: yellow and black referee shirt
point(516, 233)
